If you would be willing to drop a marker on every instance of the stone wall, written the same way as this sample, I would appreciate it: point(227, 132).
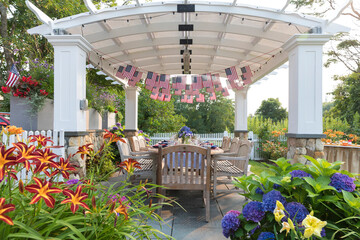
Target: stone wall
point(297, 147)
point(75, 139)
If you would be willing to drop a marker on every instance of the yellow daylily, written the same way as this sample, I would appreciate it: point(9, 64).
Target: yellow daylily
point(279, 211)
point(279, 216)
point(313, 226)
point(279, 205)
point(289, 225)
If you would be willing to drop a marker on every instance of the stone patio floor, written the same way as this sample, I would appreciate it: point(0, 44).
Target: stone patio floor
point(191, 224)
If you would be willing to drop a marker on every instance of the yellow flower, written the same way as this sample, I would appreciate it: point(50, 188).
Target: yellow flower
point(279, 216)
point(279, 205)
point(286, 180)
point(279, 211)
point(313, 226)
point(287, 226)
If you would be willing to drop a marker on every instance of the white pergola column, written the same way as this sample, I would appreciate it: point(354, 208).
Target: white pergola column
point(241, 113)
point(305, 128)
point(70, 52)
point(131, 110)
point(305, 84)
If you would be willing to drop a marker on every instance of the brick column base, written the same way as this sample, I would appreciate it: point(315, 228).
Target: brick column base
point(242, 134)
point(297, 147)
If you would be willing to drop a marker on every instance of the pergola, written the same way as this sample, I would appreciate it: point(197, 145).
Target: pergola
point(153, 36)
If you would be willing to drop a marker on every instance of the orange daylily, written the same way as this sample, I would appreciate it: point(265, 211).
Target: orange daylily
point(25, 153)
point(12, 173)
point(63, 167)
point(85, 150)
point(112, 137)
point(11, 130)
point(44, 159)
point(6, 159)
point(121, 209)
point(4, 208)
point(75, 198)
point(42, 190)
point(130, 165)
point(40, 139)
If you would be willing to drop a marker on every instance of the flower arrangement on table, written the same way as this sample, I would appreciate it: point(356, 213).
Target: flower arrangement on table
point(296, 201)
point(340, 138)
point(36, 84)
point(45, 207)
point(185, 134)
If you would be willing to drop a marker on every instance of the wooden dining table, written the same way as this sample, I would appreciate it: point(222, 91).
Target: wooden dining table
point(212, 152)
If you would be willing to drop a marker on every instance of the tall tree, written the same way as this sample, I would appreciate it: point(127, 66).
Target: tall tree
point(271, 108)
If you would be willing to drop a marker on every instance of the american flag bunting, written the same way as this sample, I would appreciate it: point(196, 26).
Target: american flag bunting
point(231, 74)
point(129, 71)
point(14, 76)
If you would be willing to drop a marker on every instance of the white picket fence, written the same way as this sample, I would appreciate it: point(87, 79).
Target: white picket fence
point(58, 137)
point(216, 138)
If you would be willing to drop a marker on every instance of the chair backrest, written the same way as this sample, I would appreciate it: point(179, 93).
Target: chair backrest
point(234, 147)
point(225, 143)
point(184, 167)
point(244, 151)
point(135, 146)
point(124, 149)
point(142, 142)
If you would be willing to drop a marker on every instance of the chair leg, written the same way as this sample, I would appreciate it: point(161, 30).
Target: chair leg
point(207, 206)
point(215, 183)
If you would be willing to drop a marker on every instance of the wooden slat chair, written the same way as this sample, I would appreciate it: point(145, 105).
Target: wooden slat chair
point(185, 167)
point(136, 146)
point(231, 166)
point(234, 146)
point(142, 143)
point(225, 145)
point(147, 162)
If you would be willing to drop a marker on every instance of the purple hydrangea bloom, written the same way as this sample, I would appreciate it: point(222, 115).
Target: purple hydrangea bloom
point(230, 223)
point(270, 198)
point(297, 211)
point(118, 124)
point(266, 236)
point(299, 174)
point(342, 182)
point(276, 186)
point(323, 233)
point(253, 231)
point(73, 181)
point(115, 128)
point(254, 211)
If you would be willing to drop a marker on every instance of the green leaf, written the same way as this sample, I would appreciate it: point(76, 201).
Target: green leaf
point(33, 234)
point(239, 233)
point(351, 200)
point(250, 226)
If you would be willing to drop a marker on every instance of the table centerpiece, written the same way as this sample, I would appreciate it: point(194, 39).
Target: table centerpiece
point(184, 135)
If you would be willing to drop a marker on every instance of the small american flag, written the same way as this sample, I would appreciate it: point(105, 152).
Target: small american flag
point(161, 97)
point(164, 81)
point(137, 76)
point(177, 92)
point(155, 89)
point(14, 76)
point(188, 89)
point(167, 97)
point(200, 98)
point(246, 72)
point(165, 90)
point(206, 80)
point(154, 95)
point(129, 71)
point(150, 79)
point(120, 72)
point(190, 99)
point(212, 96)
point(231, 74)
point(225, 92)
point(197, 82)
point(183, 98)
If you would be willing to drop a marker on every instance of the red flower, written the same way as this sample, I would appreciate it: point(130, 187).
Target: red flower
point(6, 159)
point(75, 198)
point(63, 167)
point(4, 208)
point(40, 139)
point(112, 137)
point(130, 165)
point(43, 92)
point(25, 153)
point(42, 190)
point(115, 111)
point(85, 150)
point(5, 89)
point(121, 209)
point(44, 159)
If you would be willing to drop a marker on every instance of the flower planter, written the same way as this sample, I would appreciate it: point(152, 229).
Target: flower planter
point(108, 120)
point(94, 119)
point(21, 115)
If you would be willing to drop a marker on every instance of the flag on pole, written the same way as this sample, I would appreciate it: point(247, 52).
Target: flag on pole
point(167, 97)
point(120, 72)
point(14, 76)
point(129, 71)
point(231, 74)
point(212, 96)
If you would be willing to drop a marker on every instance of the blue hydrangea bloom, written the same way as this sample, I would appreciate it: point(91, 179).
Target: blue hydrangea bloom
point(266, 236)
point(254, 211)
point(342, 182)
point(323, 233)
point(259, 191)
point(230, 223)
point(270, 198)
point(275, 186)
point(299, 174)
point(297, 211)
point(115, 128)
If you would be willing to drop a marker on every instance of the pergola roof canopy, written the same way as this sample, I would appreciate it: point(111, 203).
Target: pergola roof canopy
point(147, 36)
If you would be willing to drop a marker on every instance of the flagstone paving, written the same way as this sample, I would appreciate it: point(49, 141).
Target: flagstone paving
point(188, 222)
